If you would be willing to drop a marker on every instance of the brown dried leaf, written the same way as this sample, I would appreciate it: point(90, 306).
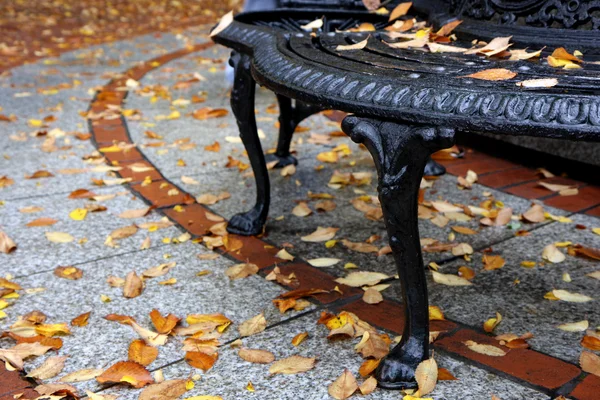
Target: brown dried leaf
point(372, 296)
point(128, 372)
point(400, 10)
point(343, 387)
point(42, 222)
point(72, 273)
point(81, 375)
point(256, 356)
point(49, 369)
point(81, 320)
point(292, 365)
point(7, 245)
point(142, 212)
point(240, 271)
point(590, 363)
point(166, 390)
point(253, 326)
point(485, 349)
point(320, 235)
point(133, 285)
point(368, 386)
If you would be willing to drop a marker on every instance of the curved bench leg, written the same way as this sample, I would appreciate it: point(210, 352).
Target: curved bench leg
point(433, 168)
point(400, 152)
point(242, 105)
point(290, 117)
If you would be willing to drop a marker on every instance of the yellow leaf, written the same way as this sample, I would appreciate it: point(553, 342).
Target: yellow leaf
point(580, 326)
point(78, 214)
point(299, 338)
point(493, 74)
point(292, 365)
point(485, 349)
point(450, 280)
point(492, 323)
point(59, 237)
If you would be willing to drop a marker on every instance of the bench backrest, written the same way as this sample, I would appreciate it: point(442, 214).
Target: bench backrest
point(570, 14)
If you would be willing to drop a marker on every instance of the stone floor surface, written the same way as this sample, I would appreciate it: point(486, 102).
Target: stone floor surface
point(158, 117)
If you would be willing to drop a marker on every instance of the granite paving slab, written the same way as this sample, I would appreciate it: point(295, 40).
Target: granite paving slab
point(102, 343)
point(230, 375)
point(35, 253)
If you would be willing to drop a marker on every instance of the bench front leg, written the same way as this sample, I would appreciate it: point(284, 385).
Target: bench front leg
point(242, 105)
point(400, 152)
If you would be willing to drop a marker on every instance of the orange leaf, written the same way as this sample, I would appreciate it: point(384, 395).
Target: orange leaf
point(81, 194)
point(493, 74)
point(122, 319)
point(591, 342)
point(201, 360)
point(142, 353)
point(162, 324)
point(208, 112)
point(445, 375)
point(42, 222)
point(81, 320)
point(69, 272)
point(129, 372)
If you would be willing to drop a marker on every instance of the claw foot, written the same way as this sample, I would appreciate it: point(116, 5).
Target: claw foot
point(246, 224)
point(396, 374)
point(282, 161)
point(433, 168)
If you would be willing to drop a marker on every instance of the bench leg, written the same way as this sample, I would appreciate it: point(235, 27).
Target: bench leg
point(290, 117)
point(242, 105)
point(433, 168)
point(400, 152)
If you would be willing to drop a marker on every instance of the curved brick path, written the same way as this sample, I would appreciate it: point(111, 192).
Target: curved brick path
point(548, 371)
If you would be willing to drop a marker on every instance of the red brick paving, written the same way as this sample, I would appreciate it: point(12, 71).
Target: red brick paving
point(588, 389)
point(508, 177)
point(527, 365)
point(587, 197)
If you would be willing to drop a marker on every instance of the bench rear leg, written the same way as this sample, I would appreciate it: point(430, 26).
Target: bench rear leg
point(400, 152)
point(290, 117)
point(242, 105)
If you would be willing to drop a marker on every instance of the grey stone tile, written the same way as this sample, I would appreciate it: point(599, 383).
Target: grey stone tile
point(230, 375)
point(518, 293)
point(102, 343)
point(35, 253)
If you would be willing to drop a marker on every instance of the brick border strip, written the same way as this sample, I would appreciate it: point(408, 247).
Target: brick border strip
point(524, 366)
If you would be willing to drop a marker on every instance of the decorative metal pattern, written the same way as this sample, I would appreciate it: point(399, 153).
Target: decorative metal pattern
point(572, 14)
point(469, 104)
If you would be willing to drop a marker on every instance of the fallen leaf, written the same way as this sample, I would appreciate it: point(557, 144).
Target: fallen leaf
point(580, 326)
point(571, 297)
point(133, 285)
point(591, 342)
point(535, 214)
point(42, 222)
point(316, 24)
point(362, 278)
point(485, 349)
point(224, 22)
point(299, 338)
point(552, 254)
point(7, 245)
point(426, 376)
point(166, 390)
point(320, 235)
point(356, 46)
point(495, 46)
point(301, 210)
point(71, 273)
point(162, 324)
point(292, 365)
point(256, 356)
point(492, 323)
point(128, 372)
point(372, 296)
point(493, 74)
point(51, 367)
point(150, 337)
point(142, 353)
point(368, 386)
point(538, 83)
point(240, 271)
point(59, 237)
point(253, 326)
point(323, 262)
point(201, 360)
point(81, 375)
point(491, 262)
point(81, 320)
point(450, 280)
point(400, 10)
point(590, 363)
point(142, 212)
point(343, 387)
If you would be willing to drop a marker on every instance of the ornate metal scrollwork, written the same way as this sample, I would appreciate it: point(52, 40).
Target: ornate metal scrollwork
point(572, 14)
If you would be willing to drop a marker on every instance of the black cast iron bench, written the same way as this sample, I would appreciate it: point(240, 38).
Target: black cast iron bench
point(407, 104)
